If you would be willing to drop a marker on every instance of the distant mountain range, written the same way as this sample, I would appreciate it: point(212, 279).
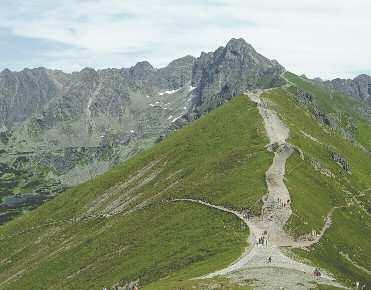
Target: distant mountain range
point(58, 129)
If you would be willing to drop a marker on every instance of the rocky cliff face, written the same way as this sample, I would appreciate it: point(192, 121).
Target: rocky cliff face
point(229, 71)
point(58, 129)
point(359, 87)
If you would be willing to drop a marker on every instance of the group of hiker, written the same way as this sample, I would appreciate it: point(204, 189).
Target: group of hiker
point(283, 203)
point(263, 240)
point(135, 287)
point(316, 273)
point(246, 215)
point(358, 286)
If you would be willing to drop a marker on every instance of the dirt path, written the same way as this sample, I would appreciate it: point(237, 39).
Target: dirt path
point(252, 264)
point(282, 271)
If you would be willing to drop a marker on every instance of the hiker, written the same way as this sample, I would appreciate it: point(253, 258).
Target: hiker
point(357, 285)
point(269, 260)
point(316, 273)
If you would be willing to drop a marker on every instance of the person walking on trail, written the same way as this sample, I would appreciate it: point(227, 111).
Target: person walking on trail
point(316, 273)
point(135, 288)
point(269, 260)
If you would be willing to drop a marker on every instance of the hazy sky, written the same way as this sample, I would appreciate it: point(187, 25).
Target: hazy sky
point(326, 38)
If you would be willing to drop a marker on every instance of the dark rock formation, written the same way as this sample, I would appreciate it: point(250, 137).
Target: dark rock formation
point(343, 163)
point(230, 71)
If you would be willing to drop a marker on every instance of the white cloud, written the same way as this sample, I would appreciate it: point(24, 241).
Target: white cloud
point(316, 37)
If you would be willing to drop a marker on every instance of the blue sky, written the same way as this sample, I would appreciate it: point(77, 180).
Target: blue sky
point(319, 38)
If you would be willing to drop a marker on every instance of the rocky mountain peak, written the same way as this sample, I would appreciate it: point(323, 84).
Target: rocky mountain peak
point(230, 71)
point(239, 46)
point(141, 70)
point(142, 66)
point(6, 71)
point(362, 77)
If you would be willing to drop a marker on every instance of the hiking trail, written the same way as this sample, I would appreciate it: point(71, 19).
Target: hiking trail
point(283, 272)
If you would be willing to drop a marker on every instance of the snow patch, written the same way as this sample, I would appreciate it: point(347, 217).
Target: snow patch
point(190, 89)
point(88, 110)
point(170, 92)
point(176, 118)
point(170, 117)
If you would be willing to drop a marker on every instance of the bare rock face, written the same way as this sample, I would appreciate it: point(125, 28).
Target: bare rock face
point(67, 128)
point(230, 71)
point(341, 161)
point(24, 93)
point(359, 87)
point(304, 97)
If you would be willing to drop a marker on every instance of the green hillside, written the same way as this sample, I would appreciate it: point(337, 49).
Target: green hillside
point(318, 185)
point(124, 225)
point(121, 226)
point(346, 110)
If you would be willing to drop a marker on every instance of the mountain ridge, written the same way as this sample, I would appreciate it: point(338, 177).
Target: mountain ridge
point(68, 128)
point(359, 87)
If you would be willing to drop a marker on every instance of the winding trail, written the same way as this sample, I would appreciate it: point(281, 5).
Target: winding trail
point(282, 272)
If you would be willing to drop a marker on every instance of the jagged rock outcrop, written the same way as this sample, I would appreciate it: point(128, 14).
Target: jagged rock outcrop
point(24, 93)
point(229, 71)
point(303, 97)
point(340, 121)
point(343, 163)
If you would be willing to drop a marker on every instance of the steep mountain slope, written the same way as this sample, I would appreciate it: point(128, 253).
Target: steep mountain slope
point(59, 129)
point(122, 225)
point(329, 181)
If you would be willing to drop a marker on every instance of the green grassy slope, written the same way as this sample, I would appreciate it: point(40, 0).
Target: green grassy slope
point(317, 185)
point(68, 243)
point(339, 105)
